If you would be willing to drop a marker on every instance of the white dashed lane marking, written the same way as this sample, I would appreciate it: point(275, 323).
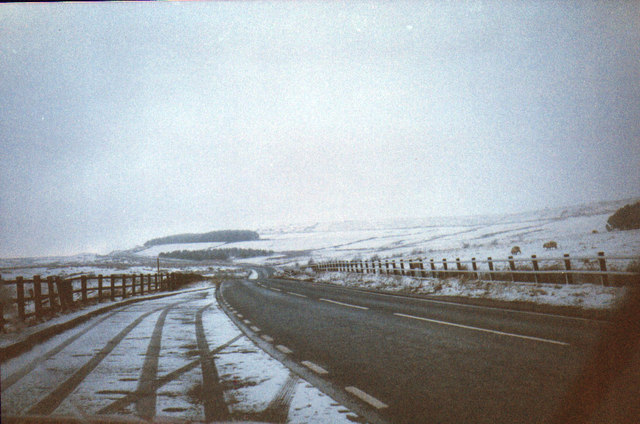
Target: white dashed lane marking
point(284, 349)
point(315, 368)
point(267, 338)
point(366, 397)
point(255, 329)
point(344, 304)
point(486, 330)
point(297, 294)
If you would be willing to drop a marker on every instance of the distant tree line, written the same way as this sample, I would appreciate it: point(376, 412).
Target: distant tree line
point(218, 254)
point(226, 236)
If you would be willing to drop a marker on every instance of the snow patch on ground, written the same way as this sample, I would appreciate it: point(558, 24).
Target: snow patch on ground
point(586, 296)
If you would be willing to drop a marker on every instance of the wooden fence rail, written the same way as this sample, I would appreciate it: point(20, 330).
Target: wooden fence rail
point(37, 297)
point(562, 270)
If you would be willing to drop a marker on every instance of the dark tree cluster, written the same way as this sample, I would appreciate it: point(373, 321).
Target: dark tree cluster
point(216, 254)
point(225, 236)
point(625, 218)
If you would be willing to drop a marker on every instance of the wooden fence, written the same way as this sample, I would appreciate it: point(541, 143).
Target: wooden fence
point(564, 270)
point(40, 297)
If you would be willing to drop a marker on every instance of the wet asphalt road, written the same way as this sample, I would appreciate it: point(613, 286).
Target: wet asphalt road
point(419, 361)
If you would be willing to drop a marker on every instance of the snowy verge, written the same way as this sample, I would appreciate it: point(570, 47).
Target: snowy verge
point(585, 296)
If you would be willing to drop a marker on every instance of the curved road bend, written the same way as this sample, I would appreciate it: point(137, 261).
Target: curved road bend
point(419, 361)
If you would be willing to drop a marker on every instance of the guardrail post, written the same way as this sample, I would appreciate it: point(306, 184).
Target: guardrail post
point(100, 288)
point(20, 297)
point(112, 281)
point(37, 296)
point(567, 266)
point(603, 268)
point(534, 261)
point(512, 267)
point(83, 282)
point(434, 274)
point(124, 286)
point(474, 265)
point(52, 294)
point(490, 268)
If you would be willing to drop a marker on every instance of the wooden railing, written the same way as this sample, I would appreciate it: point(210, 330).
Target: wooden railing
point(564, 270)
point(38, 297)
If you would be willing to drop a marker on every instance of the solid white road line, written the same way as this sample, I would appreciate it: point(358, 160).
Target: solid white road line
point(297, 294)
point(284, 349)
point(267, 338)
point(343, 304)
point(315, 368)
point(468, 327)
point(366, 397)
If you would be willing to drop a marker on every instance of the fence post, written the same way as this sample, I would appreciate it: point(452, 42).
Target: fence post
point(83, 284)
point(52, 294)
point(149, 283)
point(124, 286)
point(474, 265)
point(99, 288)
point(37, 296)
point(20, 297)
point(512, 267)
point(458, 265)
point(112, 295)
point(445, 267)
point(1, 310)
point(534, 261)
point(434, 274)
point(155, 283)
point(490, 268)
point(423, 273)
point(68, 292)
point(402, 267)
point(395, 269)
point(133, 284)
point(141, 284)
point(567, 266)
point(603, 267)
point(62, 294)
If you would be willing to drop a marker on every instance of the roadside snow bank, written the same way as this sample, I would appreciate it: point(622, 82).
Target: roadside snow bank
point(587, 296)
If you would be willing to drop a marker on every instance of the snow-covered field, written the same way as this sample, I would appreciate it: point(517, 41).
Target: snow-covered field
point(578, 231)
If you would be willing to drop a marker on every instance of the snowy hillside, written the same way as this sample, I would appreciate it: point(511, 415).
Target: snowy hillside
point(578, 230)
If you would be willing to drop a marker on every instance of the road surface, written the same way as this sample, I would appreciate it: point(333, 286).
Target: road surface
point(170, 359)
point(405, 360)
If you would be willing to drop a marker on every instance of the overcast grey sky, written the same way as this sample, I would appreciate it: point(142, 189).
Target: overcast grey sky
point(123, 122)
